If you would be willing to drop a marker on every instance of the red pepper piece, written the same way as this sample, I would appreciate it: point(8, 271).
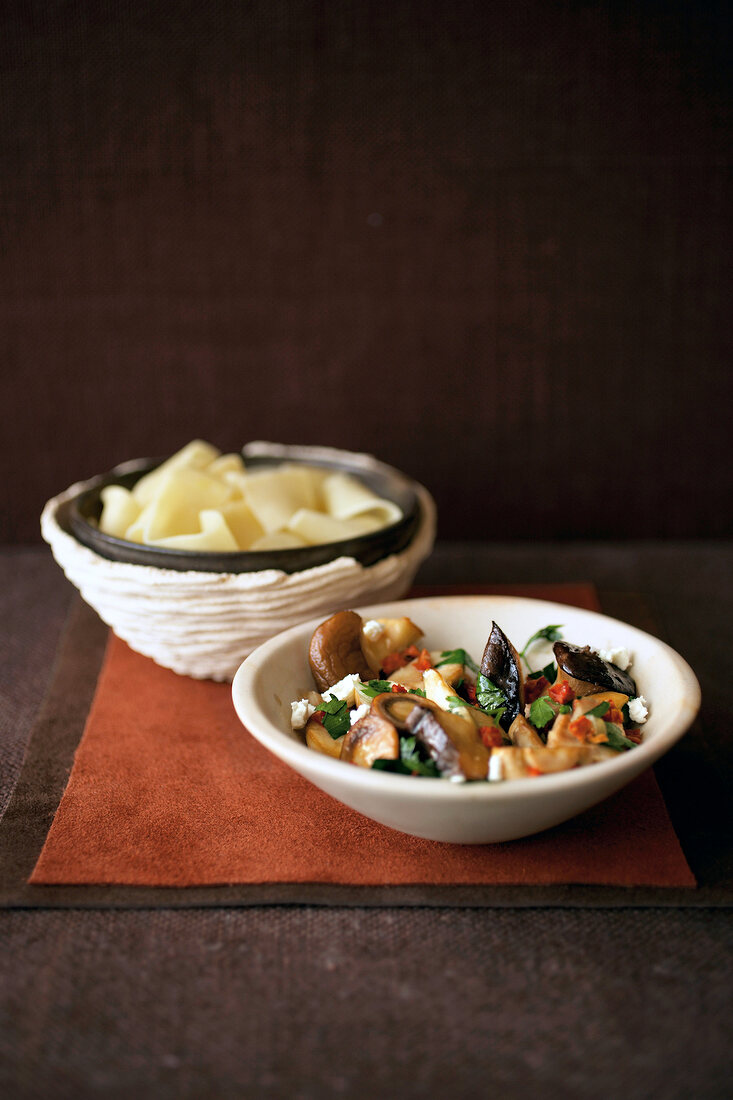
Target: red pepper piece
point(561, 693)
point(391, 663)
point(491, 736)
point(399, 689)
point(423, 662)
point(614, 715)
point(581, 728)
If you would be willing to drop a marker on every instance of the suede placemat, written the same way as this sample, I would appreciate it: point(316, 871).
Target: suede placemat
point(169, 791)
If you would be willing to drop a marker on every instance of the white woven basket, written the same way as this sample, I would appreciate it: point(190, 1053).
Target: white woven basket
point(205, 624)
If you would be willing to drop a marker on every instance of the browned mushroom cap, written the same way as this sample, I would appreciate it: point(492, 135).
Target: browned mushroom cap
point(396, 708)
point(335, 650)
point(587, 673)
point(502, 665)
point(455, 749)
point(371, 738)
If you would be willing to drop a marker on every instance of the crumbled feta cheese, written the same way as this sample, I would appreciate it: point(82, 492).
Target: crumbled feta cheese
point(638, 710)
point(344, 689)
point(358, 713)
point(458, 778)
point(496, 768)
point(373, 629)
point(618, 656)
point(300, 713)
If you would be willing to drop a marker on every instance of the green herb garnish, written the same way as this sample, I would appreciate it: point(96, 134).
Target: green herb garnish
point(488, 695)
point(598, 711)
point(547, 633)
point(454, 701)
point(335, 716)
point(457, 657)
point(616, 739)
point(543, 710)
point(410, 757)
point(409, 763)
point(377, 687)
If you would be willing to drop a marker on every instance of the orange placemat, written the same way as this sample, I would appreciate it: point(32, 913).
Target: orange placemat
point(168, 790)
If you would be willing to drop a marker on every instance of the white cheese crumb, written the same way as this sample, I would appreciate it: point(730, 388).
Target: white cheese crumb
point(618, 656)
point(373, 629)
point(344, 689)
point(496, 768)
point(358, 713)
point(458, 778)
point(300, 713)
point(638, 710)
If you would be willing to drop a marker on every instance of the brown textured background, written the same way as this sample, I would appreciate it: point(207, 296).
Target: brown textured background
point(489, 242)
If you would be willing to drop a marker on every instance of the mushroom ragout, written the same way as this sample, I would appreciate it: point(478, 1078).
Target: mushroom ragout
point(386, 702)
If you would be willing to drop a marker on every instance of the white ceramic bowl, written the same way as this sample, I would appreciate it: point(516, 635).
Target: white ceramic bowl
point(203, 624)
point(472, 813)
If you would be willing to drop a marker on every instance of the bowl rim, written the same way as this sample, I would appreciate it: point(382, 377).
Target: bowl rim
point(365, 548)
point(632, 762)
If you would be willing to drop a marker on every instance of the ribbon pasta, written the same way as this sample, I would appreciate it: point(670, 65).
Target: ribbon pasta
point(200, 499)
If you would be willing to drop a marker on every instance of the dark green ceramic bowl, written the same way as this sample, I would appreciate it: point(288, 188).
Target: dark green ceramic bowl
point(79, 516)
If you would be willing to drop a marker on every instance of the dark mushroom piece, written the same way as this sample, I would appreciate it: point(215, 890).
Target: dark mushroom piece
point(372, 738)
point(587, 673)
point(502, 665)
point(335, 650)
point(455, 748)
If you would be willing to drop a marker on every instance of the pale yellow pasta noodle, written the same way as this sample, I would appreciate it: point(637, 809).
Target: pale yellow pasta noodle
point(200, 499)
point(345, 498)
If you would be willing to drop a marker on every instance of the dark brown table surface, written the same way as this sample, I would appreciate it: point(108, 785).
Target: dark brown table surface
point(312, 1002)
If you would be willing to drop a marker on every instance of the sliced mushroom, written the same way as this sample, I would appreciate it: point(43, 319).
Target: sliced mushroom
point(502, 665)
point(439, 692)
point(587, 673)
point(523, 734)
point(335, 650)
point(372, 738)
point(559, 734)
point(513, 762)
point(319, 739)
point(450, 742)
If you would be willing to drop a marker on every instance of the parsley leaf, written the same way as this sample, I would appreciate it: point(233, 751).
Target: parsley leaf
point(410, 757)
point(616, 739)
point(456, 701)
point(543, 710)
point(598, 711)
point(548, 633)
point(409, 763)
point(457, 657)
point(378, 687)
point(375, 687)
point(335, 716)
point(488, 695)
